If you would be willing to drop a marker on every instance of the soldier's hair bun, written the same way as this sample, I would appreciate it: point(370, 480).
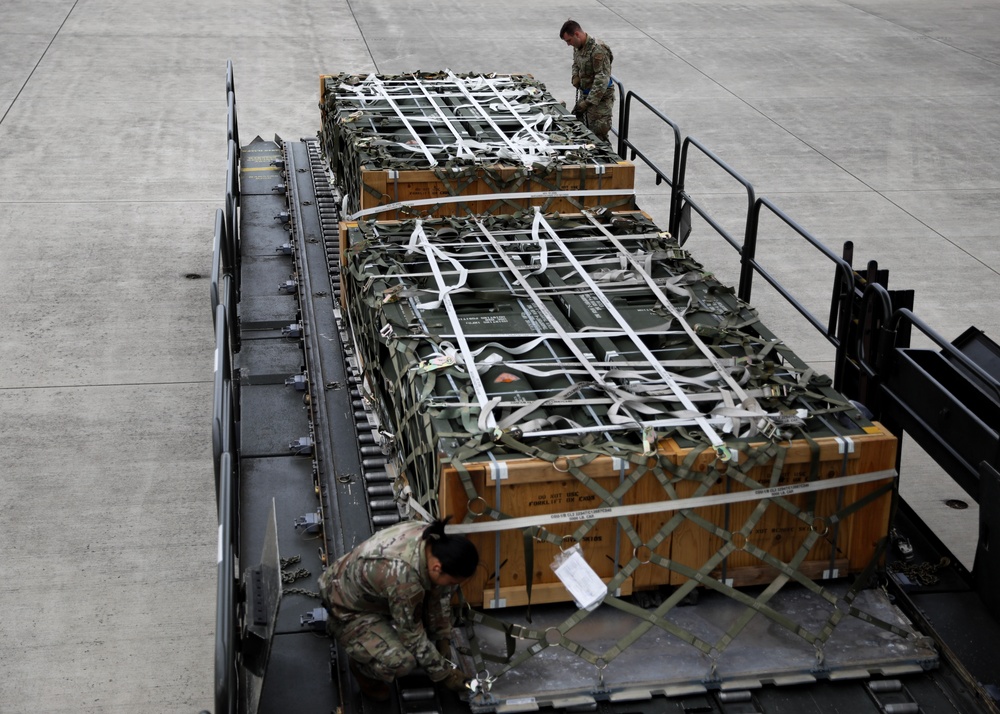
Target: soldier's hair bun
point(457, 553)
point(435, 531)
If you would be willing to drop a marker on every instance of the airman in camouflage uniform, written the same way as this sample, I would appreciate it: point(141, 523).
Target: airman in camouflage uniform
point(592, 78)
point(389, 606)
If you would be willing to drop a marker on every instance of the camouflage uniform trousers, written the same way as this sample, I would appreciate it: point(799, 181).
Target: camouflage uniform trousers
point(371, 641)
point(598, 116)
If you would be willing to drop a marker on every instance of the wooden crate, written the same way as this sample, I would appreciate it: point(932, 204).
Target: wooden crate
point(434, 411)
point(384, 187)
point(366, 138)
point(530, 487)
point(845, 547)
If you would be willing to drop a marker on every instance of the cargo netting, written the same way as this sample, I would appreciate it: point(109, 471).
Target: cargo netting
point(393, 139)
point(580, 380)
point(573, 334)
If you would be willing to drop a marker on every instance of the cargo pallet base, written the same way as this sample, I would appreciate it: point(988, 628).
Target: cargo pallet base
point(564, 661)
point(577, 386)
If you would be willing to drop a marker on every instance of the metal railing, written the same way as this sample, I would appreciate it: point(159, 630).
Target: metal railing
point(222, 288)
point(953, 416)
point(835, 331)
point(233, 133)
point(225, 449)
point(627, 147)
point(684, 196)
point(224, 294)
point(874, 315)
point(906, 316)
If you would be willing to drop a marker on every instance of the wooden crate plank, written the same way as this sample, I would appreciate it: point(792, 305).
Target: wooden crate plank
point(763, 574)
point(548, 491)
point(533, 487)
point(541, 593)
point(382, 187)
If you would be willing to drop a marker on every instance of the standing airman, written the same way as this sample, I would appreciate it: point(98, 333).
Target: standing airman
point(591, 77)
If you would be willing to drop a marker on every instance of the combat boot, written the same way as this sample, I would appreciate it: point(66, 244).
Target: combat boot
point(374, 689)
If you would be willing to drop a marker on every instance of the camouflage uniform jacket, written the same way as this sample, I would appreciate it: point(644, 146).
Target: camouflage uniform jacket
point(592, 70)
point(387, 574)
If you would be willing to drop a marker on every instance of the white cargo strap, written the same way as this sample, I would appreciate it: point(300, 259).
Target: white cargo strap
point(665, 423)
point(845, 445)
point(419, 238)
point(380, 89)
point(460, 143)
point(668, 506)
point(538, 338)
point(648, 278)
point(540, 140)
point(503, 93)
point(515, 149)
point(669, 285)
point(526, 146)
point(567, 367)
point(419, 241)
point(439, 402)
point(409, 503)
point(539, 303)
point(582, 193)
point(707, 428)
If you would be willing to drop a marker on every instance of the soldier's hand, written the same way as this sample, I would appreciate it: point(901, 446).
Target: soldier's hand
point(581, 107)
point(455, 681)
point(576, 82)
point(444, 648)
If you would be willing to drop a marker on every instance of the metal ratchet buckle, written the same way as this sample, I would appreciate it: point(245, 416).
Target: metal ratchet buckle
point(435, 363)
point(723, 453)
point(481, 685)
point(650, 443)
point(391, 295)
point(767, 427)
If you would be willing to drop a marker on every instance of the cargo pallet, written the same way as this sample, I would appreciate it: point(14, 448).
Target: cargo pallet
point(444, 144)
point(612, 361)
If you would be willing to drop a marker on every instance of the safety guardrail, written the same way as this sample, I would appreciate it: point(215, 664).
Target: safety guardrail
point(683, 196)
point(906, 316)
point(944, 400)
point(232, 127)
point(226, 457)
point(626, 146)
point(230, 212)
point(622, 122)
point(222, 288)
point(835, 331)
point(875, 313)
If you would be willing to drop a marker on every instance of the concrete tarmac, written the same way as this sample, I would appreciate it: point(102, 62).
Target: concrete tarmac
point(875, 121)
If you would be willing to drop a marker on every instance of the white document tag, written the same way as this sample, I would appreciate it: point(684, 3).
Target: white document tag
point(586, 587)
